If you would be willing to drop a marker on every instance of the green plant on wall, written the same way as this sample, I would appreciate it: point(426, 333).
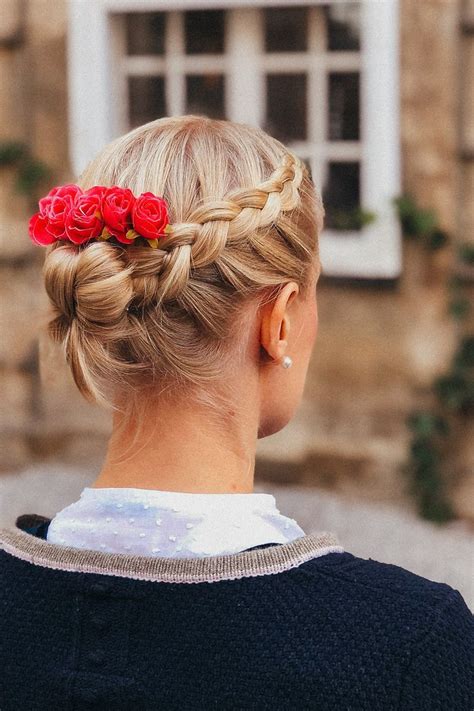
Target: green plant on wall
point(352, 219)
point(30, 172)
point(453, 391)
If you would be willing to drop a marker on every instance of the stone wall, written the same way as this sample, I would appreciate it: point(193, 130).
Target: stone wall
point(378, 347)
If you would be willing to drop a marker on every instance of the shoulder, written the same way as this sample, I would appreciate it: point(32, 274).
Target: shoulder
point(381, 580)
point(428, 622)
point(397, 602)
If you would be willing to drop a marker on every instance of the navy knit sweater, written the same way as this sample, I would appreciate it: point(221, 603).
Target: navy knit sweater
point(280, 626)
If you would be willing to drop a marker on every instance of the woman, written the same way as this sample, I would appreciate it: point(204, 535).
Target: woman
point(182, 272)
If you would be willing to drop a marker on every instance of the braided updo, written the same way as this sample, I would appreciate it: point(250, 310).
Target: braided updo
point(246, 219)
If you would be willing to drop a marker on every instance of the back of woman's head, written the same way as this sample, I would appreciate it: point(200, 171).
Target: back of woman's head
point(245, 220)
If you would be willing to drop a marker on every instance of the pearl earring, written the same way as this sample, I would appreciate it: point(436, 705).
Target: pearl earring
point(287, 362)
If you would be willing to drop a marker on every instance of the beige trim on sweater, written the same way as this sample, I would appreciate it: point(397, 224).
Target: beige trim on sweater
point(264, 561)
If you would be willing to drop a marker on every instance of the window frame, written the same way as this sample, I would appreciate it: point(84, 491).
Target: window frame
point(95, 40)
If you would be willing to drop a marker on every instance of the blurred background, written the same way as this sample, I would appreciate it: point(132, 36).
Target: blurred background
point(378, 98)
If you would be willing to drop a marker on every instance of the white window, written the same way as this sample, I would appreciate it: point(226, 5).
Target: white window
point(320, 76)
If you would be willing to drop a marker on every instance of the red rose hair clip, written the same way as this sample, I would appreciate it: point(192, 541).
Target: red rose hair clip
point(71, 214)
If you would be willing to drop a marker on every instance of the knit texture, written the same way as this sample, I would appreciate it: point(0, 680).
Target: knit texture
point(336, 632)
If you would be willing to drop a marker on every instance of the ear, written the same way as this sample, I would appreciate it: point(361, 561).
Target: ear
point(275, 322)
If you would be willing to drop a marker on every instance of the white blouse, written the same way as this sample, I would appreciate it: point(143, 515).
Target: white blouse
point(170, 524)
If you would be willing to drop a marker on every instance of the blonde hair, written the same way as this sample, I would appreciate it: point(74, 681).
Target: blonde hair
point(246, 219)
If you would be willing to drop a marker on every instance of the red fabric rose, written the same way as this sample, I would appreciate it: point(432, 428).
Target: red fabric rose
point(67, 212)
point(150, 216)
point(38, 232)
point(98, 190)
point(84, 219)
point(117, 205)
point(70, 190)
point(55, 206)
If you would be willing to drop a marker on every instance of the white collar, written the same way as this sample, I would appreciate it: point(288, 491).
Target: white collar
point(171, 524)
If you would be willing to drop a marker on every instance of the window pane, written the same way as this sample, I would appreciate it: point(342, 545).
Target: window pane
point(341, 194)
point(343, 124)
point(145, 32)
point(205, 95)
point(343, 26)
point(286, 106)
point(204, 31)
point(286, 29)
point(146, 99)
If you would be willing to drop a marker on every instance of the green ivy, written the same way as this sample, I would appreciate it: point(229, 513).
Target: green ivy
point(418, 224)
point(352, 219)
point(453, 391)
point(466, 253)
point(30, 172)
point(11, 153)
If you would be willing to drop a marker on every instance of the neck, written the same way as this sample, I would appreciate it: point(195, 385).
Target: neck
point(183, 448)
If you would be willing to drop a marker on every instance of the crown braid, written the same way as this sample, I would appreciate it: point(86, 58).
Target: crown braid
point(211, 227)
point(133, 319)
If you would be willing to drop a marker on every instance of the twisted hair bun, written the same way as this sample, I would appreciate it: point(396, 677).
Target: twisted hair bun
point(246, 219)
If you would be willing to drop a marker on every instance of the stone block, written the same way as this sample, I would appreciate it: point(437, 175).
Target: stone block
point(15, 245)
point(22, 310)
point(47, 27)
point(467, 94)
point(14, 451)
point(462, 498)
point(430, 103)
point(467, 203)
point(15, 210)
point(16, 397)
